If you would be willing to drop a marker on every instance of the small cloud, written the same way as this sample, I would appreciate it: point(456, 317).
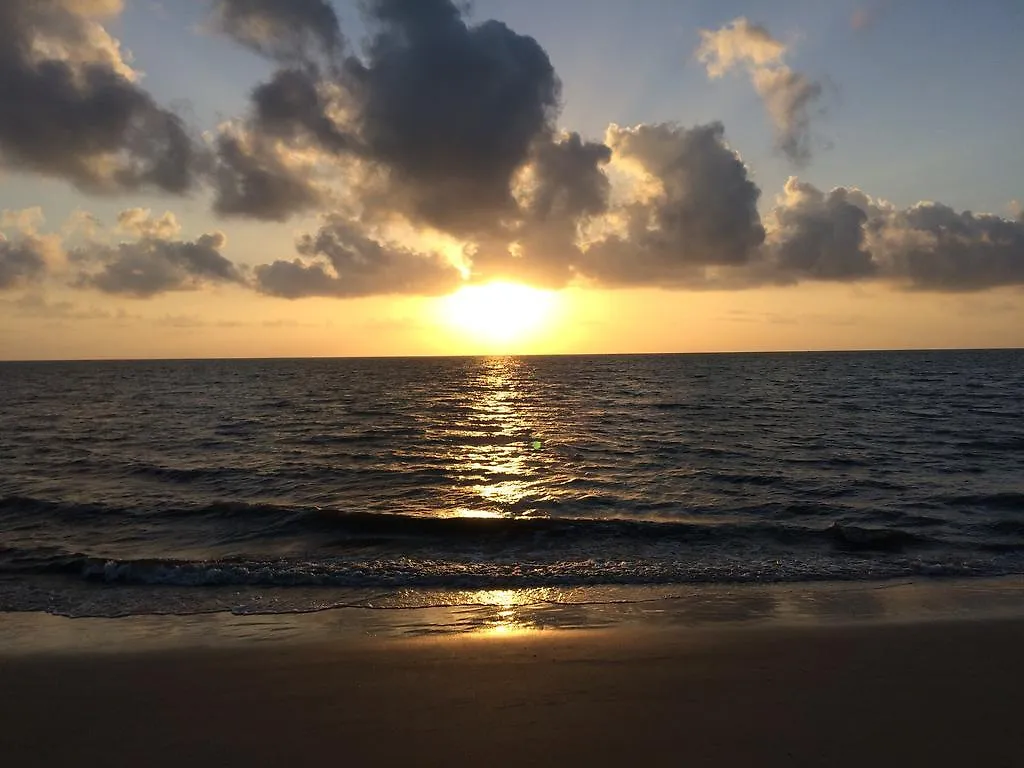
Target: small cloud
point(788, 95)
point(867, 16)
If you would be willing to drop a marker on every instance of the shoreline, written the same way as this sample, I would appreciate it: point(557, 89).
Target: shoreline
point(412, 614)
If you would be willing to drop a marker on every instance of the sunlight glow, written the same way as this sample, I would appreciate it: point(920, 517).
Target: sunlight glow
point(499, 313)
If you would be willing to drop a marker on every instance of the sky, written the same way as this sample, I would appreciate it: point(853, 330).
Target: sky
point(264, 178)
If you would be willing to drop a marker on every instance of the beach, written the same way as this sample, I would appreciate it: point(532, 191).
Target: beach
point(882, 691)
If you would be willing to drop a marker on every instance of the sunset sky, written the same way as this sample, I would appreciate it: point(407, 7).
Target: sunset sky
point(256, 178)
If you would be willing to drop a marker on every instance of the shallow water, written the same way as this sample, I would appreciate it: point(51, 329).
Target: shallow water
point(133, 487)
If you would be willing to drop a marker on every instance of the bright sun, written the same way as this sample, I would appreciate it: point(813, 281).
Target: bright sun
point(498, 313)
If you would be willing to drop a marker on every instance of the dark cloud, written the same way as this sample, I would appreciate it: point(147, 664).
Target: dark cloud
point(563, 186)
point(21, 262)
point(253, 178)
point(930, 246)
point(569, 179)
point(342, 261)
point(698, 209)
point(292, 105)
point(155, 264)
point(845, 235)
point(286, 30)
point(75, 112)
point(444, 111)
point(451, 109)
point(820, 236)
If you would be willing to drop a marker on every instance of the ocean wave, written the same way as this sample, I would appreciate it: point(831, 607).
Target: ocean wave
point(398, 573)
point(1006, 500)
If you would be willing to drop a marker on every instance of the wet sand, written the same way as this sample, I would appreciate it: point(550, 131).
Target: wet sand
point(876, 693)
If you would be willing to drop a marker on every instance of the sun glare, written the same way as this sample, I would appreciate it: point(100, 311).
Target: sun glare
point(499, 313)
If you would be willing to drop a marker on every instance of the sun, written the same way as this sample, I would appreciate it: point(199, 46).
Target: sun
point(499, 313)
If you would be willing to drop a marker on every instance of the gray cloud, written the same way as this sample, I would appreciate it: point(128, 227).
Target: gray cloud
point(451, 109)
point(285, 30)
point(700, 210)
point(21, 262)
point(821, 236)
point(446, 124)
point(155, 263)
point(845, 235)
point(930, 246)
point(788, 96)
point(343, 261)
point(569, 179)
point(444, 112)
point(563, 185)
point(69, 106)
point(254, 178)
point(293, 105)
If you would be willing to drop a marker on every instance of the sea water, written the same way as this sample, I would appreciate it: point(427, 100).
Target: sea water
point(292, 485)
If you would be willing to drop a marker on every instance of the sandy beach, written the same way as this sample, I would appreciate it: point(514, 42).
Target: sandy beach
point(872, 693)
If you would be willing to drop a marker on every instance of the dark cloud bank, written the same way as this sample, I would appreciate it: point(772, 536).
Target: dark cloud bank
point(447, 125)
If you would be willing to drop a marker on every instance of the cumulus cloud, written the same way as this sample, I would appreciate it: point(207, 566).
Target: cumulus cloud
point(930, 246)
point(257, 177)
point(819, 236)
point(451, 109)
point(30, 255)
point(444, 111)
point(562, 187)
point(788, 96)
point(341, 260)
point(155, 262)
point(141, 223)
point(21, 262)
point(441, 129)
point(70, 106)
point(845, 235)
point(697, 208)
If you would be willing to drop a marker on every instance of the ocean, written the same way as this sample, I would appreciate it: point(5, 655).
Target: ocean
point(268, 486)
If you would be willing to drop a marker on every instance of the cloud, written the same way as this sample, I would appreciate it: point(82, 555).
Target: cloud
point(71, 106)
point(285, 30)
point(440, 112)
point(342, 261)
point(31, 255)
point(930, 246)
point(37, 306)
point(563, 186)
point(141, 223)
point(845, 235)
point(442, 130)
point(155, 263)
point(257, 177)
point(818, 236)
point(788, 96)
point(451, 109)
point(697, 208)
point(867, 16)
point(21, 262)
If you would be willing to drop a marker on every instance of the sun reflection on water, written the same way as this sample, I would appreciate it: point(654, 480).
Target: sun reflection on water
point(505, 619)
point(500, 454)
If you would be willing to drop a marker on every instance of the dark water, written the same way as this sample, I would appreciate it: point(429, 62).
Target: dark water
point(200, 485)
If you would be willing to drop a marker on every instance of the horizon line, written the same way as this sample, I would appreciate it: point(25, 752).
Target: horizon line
point(864, 350)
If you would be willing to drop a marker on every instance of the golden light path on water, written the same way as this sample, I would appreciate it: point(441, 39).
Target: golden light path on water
point(501, 446)
point(504, 444)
